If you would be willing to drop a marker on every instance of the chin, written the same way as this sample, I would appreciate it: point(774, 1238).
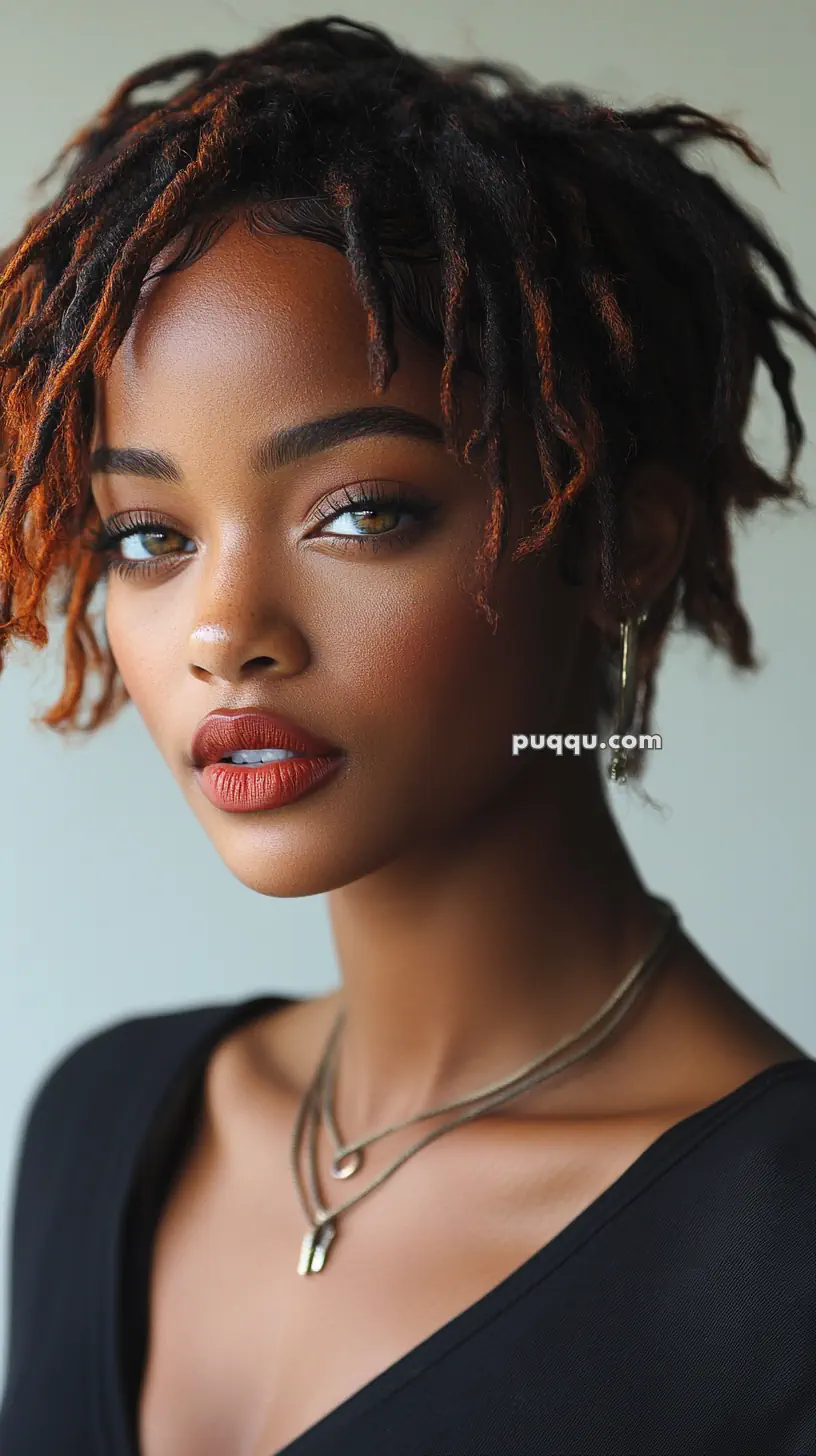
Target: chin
point(288, 862)
point(325, 841)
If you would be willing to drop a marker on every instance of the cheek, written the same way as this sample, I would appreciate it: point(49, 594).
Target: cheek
point(424, 668)
point(140, 643)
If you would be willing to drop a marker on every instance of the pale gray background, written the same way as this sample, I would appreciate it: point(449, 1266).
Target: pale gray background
point(112, 901)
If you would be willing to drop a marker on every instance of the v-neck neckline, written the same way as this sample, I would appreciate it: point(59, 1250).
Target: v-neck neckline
point(658, 1156)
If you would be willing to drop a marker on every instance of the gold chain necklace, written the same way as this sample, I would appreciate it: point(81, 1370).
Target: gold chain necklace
point(318, 1100)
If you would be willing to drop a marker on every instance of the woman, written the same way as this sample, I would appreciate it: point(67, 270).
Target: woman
point(401, 414)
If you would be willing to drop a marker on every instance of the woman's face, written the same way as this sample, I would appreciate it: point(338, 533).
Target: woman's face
point(274, 594)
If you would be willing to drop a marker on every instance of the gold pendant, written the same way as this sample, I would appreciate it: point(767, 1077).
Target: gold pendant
point(315, 1247)
point(347, 1164)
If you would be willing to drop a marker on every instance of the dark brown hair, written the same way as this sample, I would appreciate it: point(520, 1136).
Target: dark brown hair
point(562, 249)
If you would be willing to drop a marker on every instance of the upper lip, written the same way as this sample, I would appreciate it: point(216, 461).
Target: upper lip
point(228, 729)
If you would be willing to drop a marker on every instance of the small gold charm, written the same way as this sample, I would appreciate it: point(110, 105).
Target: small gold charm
point(315, 1247)
point(347, 1164)
point(618, 767)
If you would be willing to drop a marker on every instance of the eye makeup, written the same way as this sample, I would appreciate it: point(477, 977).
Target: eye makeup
point(380, 500)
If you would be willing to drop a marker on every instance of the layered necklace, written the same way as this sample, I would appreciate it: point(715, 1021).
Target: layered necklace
point(318, 1101)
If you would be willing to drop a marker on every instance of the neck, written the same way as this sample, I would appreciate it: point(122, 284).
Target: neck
point(482, 950)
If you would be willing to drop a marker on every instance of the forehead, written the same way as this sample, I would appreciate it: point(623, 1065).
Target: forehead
point(272, 320)
point(262, 332)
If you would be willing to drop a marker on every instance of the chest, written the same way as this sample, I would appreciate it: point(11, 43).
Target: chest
point(245, 1354)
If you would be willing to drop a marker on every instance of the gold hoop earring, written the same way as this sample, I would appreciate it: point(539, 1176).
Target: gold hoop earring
point(627, 693)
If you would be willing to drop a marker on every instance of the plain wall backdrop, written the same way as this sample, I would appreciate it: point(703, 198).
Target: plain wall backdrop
point(112, 900)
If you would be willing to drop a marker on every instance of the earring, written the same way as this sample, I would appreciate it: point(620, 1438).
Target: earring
point(627, 695)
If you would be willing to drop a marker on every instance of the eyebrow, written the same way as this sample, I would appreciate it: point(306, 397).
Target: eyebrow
point(284, 447)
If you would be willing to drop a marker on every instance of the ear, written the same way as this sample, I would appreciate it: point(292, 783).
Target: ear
point(656, 517)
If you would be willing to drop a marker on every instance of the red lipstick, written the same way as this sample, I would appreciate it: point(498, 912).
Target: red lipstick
point(301, 760)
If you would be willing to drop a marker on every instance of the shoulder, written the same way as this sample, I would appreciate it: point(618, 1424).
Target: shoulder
point(745, 1172)
point(785, 1099)
point(775, 1111)
point(728, 1234)
point(101, 1060)
point(83, 1096)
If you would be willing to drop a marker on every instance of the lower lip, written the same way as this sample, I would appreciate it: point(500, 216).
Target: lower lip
point(248, 788)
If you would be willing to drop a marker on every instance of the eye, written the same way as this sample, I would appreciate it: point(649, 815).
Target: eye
point(371, 513)
point(377, 520)
point(132, 543)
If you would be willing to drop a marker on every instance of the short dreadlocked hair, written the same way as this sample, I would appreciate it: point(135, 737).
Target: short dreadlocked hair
point(560, 248)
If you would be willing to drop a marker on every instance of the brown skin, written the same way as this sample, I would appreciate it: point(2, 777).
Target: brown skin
point(483, 905)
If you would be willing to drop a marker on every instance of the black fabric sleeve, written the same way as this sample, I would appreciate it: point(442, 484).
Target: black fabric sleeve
point(61, 1104)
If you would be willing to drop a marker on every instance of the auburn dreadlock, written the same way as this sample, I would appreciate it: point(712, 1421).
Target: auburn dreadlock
point(562, 249)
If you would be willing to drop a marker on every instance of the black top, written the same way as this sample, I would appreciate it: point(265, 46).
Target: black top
point(676, 1314)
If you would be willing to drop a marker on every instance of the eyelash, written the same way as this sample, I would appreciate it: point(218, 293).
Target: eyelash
point(105, 539)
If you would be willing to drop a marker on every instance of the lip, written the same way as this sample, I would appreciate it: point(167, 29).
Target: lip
point(245, 789)
point(228, 729)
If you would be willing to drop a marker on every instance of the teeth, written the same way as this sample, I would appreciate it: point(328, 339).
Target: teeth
point(258, 755)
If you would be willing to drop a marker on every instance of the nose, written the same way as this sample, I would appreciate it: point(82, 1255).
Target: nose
point(224, 651)
point(239, 628)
